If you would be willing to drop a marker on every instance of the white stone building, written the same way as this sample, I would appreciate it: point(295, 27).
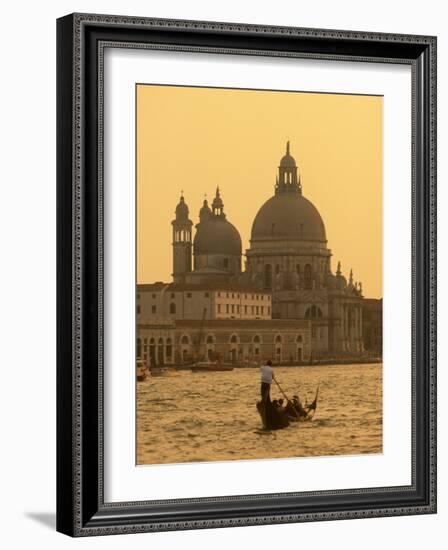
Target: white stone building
point(202, 301)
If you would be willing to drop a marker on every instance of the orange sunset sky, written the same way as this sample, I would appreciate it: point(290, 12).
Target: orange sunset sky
point(197, 138)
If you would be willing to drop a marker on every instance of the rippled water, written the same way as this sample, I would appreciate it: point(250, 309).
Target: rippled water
point(212, 416)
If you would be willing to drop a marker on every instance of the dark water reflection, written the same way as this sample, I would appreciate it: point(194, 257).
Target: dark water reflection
point(212, 416)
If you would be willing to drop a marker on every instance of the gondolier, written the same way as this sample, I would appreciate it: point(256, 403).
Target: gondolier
point(267, 377)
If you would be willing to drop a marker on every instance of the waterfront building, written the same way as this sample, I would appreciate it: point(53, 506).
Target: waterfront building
point(288, 286)
point(202, 301)
point(372, 317)
point(242, 341)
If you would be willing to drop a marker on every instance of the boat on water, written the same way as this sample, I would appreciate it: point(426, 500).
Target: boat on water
point(275, 416)
point(210, 366)
point(141, 371)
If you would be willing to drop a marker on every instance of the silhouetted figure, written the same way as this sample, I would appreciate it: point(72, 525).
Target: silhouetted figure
point(267, 377)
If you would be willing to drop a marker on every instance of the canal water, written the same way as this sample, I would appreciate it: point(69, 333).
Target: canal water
point(211, 416)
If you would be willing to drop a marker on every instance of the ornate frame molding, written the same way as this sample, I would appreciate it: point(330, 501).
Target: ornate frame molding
point(82, 39)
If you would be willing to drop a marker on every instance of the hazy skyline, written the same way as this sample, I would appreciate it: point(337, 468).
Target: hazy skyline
point(197, 138)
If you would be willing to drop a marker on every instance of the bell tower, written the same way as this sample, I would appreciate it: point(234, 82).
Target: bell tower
point(181, 242)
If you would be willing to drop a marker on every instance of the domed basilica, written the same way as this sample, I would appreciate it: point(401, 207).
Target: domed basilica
point(286, 304)
point(288, 256)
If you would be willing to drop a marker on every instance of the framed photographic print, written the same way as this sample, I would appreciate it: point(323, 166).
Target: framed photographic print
point(246, 274)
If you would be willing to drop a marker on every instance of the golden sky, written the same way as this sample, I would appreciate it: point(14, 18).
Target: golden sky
point(197, 138)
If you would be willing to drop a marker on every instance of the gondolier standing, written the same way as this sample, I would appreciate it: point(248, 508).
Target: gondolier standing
point(267, 377)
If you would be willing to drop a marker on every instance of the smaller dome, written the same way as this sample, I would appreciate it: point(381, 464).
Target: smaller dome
point(342, 282)
point(217, 236)
point(331, 281)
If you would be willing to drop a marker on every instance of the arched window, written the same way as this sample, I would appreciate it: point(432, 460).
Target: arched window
point(278, 339)
point(152, 351)
point(185, 340)
point(160, 357)
point(268, 276)
point(307, 277)
point(299, 339)
point(139, 348)
point(169, 349)
point(234, 339)
point(210, 347)
point(256, 345)
point(172, 307)
point(313, 312)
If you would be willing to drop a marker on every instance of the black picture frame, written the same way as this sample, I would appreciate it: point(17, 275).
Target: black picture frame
point(81, 510)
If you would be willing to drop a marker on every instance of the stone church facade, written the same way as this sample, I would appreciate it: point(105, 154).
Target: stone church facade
point(288, 263)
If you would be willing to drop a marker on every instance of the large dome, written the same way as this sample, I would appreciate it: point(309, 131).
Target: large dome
point(217, 236)
point(288, 216)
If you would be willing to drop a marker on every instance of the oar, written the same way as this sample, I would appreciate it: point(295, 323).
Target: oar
point(286, 397)
point(314, 403)
point(312, 406)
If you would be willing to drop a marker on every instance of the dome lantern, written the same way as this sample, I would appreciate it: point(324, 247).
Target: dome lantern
point(205, 212)
point(218, 205)
point(288, 179)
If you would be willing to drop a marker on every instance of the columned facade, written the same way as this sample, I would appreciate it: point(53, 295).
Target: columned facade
point(288, 255)
point(239, 342)
point(288, 304)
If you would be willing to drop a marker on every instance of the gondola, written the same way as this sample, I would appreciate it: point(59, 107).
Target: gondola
point(276, 417)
